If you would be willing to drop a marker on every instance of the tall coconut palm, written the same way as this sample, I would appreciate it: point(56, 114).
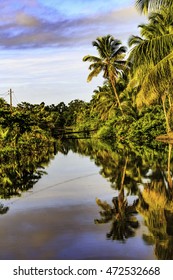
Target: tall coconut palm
point(110, 61)
point(156, 42)
point(152, 59)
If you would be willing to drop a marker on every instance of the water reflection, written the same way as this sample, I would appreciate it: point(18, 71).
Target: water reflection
point(122, 218)
point(145, 173)
point(141, 178)
point(158, 194)
point(21, 169)
point(121, 214)
point(3, 209)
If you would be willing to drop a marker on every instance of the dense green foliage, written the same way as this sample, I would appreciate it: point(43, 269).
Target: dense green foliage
point(134, 103)
point(143, 87)
point(132, 107)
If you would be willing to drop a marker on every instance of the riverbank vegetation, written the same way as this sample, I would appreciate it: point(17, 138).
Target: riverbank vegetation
point(142, 84)
point(132, 108)
point(135, 102)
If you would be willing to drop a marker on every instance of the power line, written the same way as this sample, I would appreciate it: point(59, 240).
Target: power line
point(17, 102)
point(32, 192)
point(4, 94)
point(12, 97)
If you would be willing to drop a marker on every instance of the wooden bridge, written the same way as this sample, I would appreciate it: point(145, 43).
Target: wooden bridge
point(63, 132)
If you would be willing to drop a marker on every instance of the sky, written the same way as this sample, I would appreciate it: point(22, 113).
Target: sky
point(42, 43)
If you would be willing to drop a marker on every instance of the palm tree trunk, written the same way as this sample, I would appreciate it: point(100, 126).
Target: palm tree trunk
point(169, 99)
point(124, 173)
point(121, 196)
point(121, 193)
point(116, 95)
point(169, 167)
point(168, 129)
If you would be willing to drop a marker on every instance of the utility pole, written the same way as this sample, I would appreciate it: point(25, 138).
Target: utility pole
point(11, 100)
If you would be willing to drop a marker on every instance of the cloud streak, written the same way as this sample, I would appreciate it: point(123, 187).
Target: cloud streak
point(43, 27)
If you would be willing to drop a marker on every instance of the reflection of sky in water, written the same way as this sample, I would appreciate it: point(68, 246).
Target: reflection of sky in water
point(64, 233)
point(87, 246)
point(71, 180)
point(55, 220)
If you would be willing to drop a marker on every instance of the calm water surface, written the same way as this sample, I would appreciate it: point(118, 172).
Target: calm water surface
point(58, 217)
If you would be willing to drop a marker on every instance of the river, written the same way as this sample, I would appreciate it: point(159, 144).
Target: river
point(56, 218)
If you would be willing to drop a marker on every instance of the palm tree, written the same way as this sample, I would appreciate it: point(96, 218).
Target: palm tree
point(104, 105)
point(152, 59)
point(156, 42)
point(146, 6)
point(110, 61)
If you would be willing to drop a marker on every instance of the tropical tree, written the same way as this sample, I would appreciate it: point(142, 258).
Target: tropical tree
point(105, 102)
point(110, 61)
point(146, 6)
point(152, 59)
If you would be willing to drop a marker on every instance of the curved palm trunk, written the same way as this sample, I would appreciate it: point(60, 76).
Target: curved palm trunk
point(121, 195)
point(116, 95)
point(165, 113)
point(169, 167)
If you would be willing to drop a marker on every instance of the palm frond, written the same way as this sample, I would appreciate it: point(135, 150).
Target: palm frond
point(94, 73)
point(99, 46)
point(95, 65)
point(151, 51)
point(145, 6)
point(157, 82)
point(119, 52)
point(149, 31)
point(103, 45)
point(91, 58)
point(134, 40)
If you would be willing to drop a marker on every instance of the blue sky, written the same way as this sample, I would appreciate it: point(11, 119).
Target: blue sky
point(42, 44)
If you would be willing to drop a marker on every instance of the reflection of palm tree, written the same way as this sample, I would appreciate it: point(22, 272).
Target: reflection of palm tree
point(147, 167)
point(159, 221)
point(111, 161)
point(121, 214)
point(158, 214)
point(169, 167)
point(123, 220)
point(3, 209)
